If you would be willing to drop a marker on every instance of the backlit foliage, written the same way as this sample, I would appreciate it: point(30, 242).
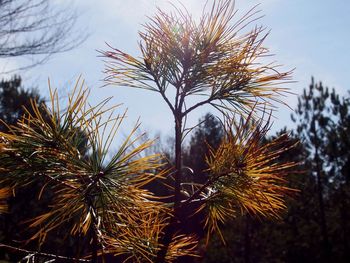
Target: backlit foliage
point(5, 193)
point(246, 174)
point(218, 58)
point(103, 196)
point(141, 243)
point(93, 193)
point(213, 57)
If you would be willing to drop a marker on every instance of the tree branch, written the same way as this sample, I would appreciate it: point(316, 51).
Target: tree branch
point(202, 188)
point(161, 91)
point(42, 254)
point(210, 99)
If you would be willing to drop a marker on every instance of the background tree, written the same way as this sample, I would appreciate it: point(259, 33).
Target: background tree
point(209, 132)
point(36, 27)
point(14, 99)
point(322, 118)
point(338, 159)
point(313, 128)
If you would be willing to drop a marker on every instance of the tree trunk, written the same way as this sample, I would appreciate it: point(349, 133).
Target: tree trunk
point(322, 214)
point(344, 222)
point(172, 227)
point(178, 163)
point(247, 243)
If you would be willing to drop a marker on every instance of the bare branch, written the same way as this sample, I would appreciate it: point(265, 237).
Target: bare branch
point(36, 28)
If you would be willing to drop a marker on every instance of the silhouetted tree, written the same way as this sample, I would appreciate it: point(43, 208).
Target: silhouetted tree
point(323, 124)
point(14, 99)
point(209, 132)
point(313, 127)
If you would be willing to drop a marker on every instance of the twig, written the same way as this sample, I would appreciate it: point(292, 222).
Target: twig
point(202, 188)
point(42, 254)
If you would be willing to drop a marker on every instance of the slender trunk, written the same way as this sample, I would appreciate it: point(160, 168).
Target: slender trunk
point(320, 191)
point(178, 163)
point(344, 214)
point(172, 227)
point(247, 240)
point(94, 247)
point(344, 222)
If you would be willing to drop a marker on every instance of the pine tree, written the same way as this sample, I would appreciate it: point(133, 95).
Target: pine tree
point(323, 122)
point(104, 199)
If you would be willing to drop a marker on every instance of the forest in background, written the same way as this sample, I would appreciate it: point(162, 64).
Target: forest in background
point(315, 227)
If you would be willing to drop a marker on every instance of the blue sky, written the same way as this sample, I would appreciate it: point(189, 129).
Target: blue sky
point(311, 36)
